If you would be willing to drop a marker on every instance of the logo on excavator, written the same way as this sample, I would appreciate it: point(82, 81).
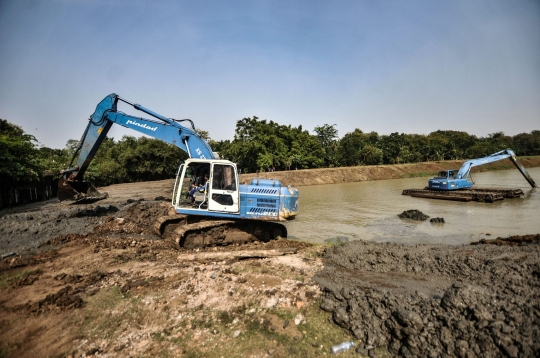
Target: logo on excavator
point(199, 152)
point(142, 125)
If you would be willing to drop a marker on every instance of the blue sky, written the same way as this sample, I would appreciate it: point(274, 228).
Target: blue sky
point(385, 66)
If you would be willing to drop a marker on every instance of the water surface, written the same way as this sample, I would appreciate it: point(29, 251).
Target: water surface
point(368, 211)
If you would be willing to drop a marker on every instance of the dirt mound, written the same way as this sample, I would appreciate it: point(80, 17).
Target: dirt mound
point(22, 261)
point(63, 239)
point(413, 214)
point(97, 211)
point(65, 298)
point(512, 240)
point(435, 300)
point(138, 218)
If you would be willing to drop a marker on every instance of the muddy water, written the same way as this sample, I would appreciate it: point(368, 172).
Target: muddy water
point(368, 211)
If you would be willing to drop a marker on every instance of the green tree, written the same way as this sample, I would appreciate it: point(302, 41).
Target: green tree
point(527, 143)
point(53, 160)
point(371, 155)
point(19, 156)
point(451, 145)
point(327, 135)
point(392, 145)
point(350, 147)
point(260, 145)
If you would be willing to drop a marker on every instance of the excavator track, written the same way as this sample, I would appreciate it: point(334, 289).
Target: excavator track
point(485, 195)
point(191, 232)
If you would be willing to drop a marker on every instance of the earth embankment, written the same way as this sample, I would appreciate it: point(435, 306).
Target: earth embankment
point(378, 172)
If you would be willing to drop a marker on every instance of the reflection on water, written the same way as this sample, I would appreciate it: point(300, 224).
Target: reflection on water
point(368, 211)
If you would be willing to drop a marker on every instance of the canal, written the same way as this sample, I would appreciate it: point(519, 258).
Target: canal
point(368, 211)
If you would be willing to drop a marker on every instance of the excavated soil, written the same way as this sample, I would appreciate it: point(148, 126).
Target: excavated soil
point(435, 300)
point(97, 281)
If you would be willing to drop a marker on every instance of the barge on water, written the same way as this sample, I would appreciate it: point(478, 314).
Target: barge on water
point(485, 195)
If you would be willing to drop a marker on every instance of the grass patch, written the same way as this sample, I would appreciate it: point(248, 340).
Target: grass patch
point(9, 278)
point(95, 319)
point(264, 333)
point(283, 314)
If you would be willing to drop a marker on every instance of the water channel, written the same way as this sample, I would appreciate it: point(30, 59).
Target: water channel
point(368, 211)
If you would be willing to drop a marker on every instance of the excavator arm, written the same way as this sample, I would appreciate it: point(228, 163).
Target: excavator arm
point(465, 169)
point(457, 179)
point(72, 187)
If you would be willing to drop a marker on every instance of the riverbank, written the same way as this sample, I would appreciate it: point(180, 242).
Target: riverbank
point(378, 172)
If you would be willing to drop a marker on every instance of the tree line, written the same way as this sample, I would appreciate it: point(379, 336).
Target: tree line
point(258, 145)
point(265, 145)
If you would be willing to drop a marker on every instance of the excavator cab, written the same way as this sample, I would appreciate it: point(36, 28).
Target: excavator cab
point(207, 185)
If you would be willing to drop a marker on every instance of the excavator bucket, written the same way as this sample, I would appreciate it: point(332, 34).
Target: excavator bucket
point(78, 192)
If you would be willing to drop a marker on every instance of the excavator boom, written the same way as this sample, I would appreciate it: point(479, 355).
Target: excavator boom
point(460, 179)
point(71, 186)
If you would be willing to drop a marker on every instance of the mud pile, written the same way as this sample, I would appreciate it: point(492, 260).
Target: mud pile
point(512, 240)
point(136, 218)
point(430, 300)
point(414, 215)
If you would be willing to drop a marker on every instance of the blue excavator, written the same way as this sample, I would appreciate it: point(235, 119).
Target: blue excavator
point(461, 179)
point(225, 212)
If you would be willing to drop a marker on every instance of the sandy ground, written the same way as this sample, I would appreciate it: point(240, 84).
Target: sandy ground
point(96, 281)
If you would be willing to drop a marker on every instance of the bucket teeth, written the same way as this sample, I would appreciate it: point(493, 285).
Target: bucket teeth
point(70, 192)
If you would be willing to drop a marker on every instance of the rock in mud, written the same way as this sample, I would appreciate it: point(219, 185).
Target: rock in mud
point(413, 215)
point(437, 220)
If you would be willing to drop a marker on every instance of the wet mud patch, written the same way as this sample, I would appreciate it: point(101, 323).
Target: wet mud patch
point(432, 300)
point(413, 214)
point(512, 240)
